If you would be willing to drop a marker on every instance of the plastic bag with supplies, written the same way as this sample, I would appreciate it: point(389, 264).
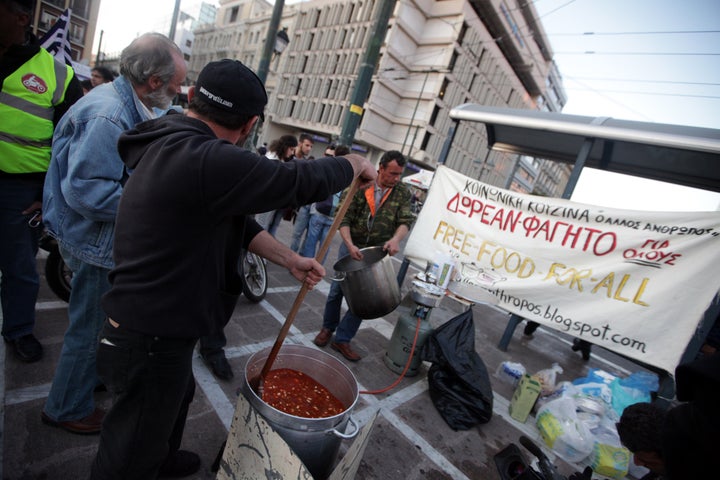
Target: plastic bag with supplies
point(548, 377)
point(563, 432)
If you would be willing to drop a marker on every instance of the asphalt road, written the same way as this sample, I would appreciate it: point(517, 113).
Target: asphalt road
point(409, 440)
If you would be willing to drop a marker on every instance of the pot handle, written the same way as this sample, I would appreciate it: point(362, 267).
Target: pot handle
point(339, 276)
point(352, 434)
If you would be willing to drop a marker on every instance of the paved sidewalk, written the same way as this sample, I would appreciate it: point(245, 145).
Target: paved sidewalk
point(410, 439)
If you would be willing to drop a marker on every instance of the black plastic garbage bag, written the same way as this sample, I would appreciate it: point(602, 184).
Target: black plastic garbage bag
point(458, 379)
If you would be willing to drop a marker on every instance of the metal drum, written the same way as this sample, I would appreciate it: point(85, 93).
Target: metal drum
point(316, 441)
point(369, 285)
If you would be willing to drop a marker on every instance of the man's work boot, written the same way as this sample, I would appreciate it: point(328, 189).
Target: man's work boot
point(346, 351)
point(219, 365)
point(179, 464)
point(323, 338)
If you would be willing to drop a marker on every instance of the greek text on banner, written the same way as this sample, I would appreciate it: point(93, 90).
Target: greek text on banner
point(634, 282)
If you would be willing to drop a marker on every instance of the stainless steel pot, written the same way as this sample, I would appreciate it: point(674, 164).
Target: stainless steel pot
point(370, 285)
point(316, 441)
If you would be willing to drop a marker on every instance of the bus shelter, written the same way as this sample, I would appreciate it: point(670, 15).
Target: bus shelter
point(683, 155)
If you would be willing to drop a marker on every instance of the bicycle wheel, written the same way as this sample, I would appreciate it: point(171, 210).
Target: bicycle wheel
point(254, 276)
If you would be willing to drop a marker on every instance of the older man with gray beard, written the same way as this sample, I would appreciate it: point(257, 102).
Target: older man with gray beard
point(80, 201)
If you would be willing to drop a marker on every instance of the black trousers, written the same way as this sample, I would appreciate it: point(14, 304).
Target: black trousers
point(152, 385)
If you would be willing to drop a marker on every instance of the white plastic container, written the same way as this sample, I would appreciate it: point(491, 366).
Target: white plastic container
point(443, 264)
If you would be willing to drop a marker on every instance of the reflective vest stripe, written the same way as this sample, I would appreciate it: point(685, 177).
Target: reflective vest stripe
point(46, 113)
point(24, 141)
point(61, 74)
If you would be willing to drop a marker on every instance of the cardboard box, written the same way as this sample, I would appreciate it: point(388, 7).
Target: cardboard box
point(525, 396)
point(255, 450)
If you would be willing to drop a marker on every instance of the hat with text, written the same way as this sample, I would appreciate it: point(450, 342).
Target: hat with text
point(231, 86)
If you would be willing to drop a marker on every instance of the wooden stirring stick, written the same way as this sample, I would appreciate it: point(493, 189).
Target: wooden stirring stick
point(257, 384)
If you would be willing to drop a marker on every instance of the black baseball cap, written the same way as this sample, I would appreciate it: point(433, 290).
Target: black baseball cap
point(231, 86)
point(27, 4)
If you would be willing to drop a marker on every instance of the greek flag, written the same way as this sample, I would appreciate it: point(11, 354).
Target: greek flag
point(56, 40)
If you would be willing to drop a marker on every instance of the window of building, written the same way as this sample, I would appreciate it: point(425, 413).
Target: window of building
point(351, 37)
point(328, 87)
point(445, 85)
point(461, 34)
point(365, 10)
point(425, 141)
point(454, 58)
point(434, 115)
point(337, 112)
point(77, 33)
point(341, 36)
point(80, 8)
point(47, 20)
point(233, 14)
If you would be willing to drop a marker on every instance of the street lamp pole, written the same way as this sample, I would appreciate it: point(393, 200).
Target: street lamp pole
point(270, 39)
point(173, 22)
point(272, 42)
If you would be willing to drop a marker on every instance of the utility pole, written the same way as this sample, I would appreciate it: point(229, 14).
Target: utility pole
point(264, 66)
point(173, 22)
point(367, 68)
point(99, 58)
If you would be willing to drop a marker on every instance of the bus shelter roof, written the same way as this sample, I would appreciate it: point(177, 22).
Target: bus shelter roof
point(677, 154)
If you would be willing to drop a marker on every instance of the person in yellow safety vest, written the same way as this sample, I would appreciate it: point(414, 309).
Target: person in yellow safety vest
point(36, 91)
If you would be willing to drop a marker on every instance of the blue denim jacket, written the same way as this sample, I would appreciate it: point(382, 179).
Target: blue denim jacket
point(86, 174)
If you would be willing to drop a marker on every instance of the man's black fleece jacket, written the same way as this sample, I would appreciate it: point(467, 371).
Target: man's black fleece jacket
point(186, 194)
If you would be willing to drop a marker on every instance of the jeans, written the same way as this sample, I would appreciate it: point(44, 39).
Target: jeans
point(18, 247)
point(318, 228)
point(301, 224)
point(346, 328)
point(71, 393)
point(152, 385)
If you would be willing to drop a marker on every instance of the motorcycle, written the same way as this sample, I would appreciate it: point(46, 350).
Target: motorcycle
point(253, 272)
point(57, 274)
point(251, 269)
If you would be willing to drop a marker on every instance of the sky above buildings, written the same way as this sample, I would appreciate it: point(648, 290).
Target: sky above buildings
point(645, 60)
point(652, 60)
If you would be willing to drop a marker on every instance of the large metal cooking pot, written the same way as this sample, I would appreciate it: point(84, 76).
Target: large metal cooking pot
point(370, 285)
point(316, 441)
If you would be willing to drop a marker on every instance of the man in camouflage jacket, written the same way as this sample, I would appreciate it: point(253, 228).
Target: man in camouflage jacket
point(377, 216)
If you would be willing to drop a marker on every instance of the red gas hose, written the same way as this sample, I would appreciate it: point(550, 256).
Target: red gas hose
point(407, 365)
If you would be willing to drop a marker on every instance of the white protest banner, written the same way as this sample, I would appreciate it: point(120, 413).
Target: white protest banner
point(634, 282)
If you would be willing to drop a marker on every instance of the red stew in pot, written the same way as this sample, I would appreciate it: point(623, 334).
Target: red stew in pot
point(298, 394)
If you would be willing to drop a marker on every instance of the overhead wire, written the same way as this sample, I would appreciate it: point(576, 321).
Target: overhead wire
point(530, 34)
point(319, 67)
point(595, 52)
point(659, 32)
